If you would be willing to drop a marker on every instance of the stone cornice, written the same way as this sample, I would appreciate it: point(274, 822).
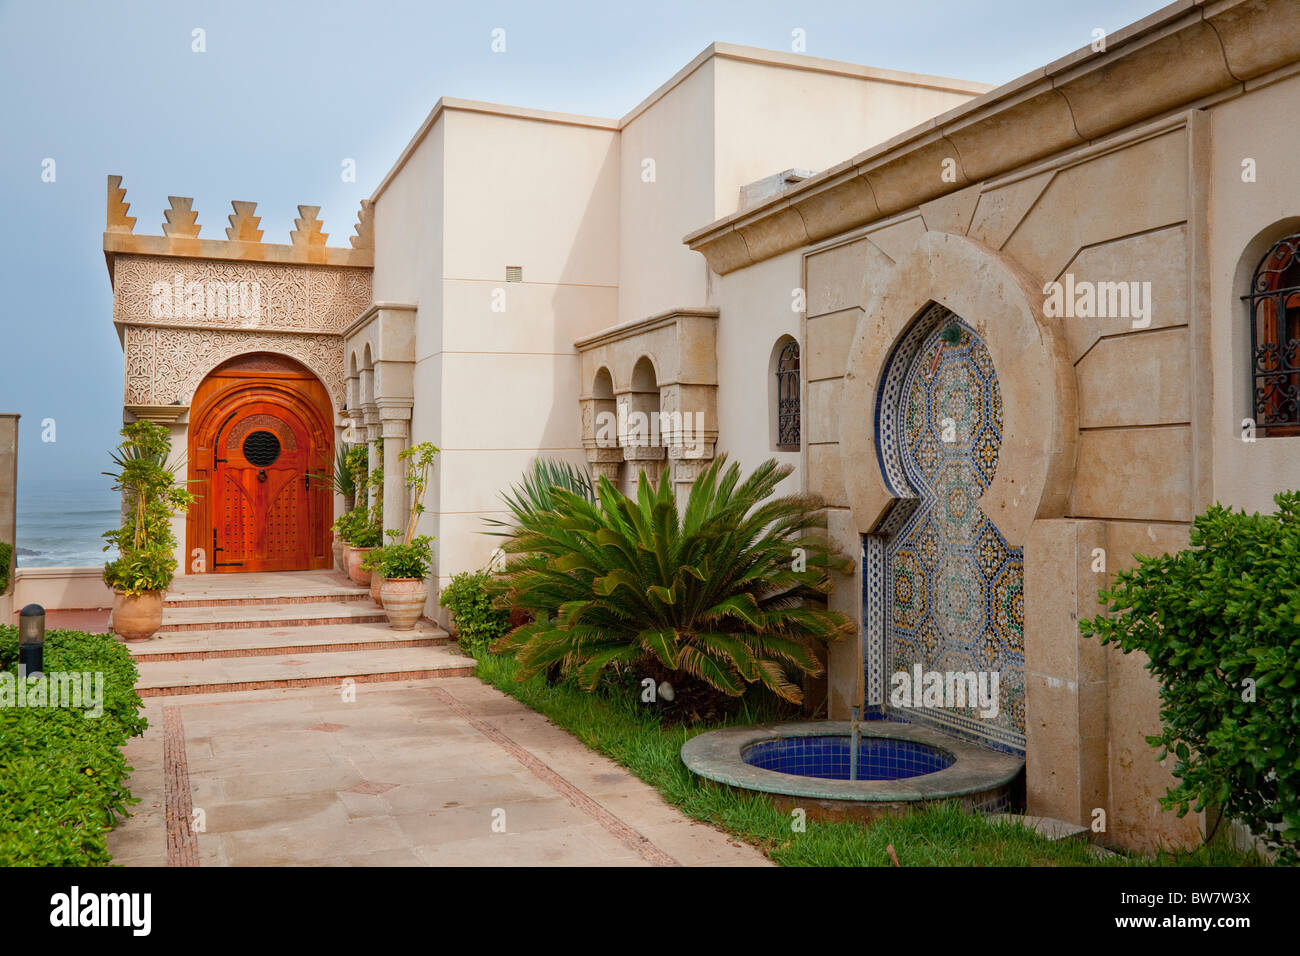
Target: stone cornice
point(641, 326)
point(372, 311)
point(1179, 55)
point(162, 414)
point(123, 243)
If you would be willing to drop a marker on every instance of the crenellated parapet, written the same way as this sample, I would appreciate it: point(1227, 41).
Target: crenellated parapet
point(183, 303)
point(181, 235)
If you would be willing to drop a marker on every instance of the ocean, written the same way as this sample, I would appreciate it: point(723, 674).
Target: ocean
point(61, 521)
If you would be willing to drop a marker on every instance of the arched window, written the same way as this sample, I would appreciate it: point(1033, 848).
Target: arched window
point(1274, 301)
point(787, 394)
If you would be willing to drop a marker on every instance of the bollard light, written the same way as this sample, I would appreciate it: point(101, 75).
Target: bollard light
point(31, 639)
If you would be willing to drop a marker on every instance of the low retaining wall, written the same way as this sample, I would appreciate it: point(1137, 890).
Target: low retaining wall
point(61, 589)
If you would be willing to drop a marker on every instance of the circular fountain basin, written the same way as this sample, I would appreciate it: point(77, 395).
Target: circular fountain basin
point(900, 766)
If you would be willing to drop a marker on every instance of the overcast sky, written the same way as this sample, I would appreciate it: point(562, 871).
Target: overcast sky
point(286, 91)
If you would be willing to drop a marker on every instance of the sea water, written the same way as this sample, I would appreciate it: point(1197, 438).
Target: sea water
point(61, 521)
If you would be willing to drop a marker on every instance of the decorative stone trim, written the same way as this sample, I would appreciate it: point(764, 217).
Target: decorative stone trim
point(1174, 58)
point(162, 414)
point(1004, 307)
point(681, 345)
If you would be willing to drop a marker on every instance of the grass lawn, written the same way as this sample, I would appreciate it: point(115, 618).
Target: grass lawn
point(941, 836)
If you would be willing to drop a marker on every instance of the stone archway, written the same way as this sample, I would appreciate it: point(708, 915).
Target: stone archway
point(942, 280)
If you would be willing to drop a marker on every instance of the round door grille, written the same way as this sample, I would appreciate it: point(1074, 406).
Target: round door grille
point(261, 448)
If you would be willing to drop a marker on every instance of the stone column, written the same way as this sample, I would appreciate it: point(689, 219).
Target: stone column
point(372, 429)
point(396, 433)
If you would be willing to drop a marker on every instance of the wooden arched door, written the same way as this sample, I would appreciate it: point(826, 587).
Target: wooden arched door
point(259, 425)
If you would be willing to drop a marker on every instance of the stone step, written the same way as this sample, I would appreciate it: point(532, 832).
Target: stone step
point(334, 594)
point(282, 587)
point(279, 641)
point(240, 616)
point(1048, 827)
point(234, 674)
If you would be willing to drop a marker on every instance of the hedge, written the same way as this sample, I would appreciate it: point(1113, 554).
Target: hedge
point(62, 772)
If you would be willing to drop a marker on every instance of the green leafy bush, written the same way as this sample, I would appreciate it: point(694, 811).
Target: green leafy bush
point(6, 556)
point(726, 593)
point(477, 620)
point(356, 528)
point(62, 773)
point(406, 560)
point(1220, 623)
point(367, 536)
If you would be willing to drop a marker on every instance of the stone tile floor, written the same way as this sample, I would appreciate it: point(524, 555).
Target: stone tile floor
point(439, 772)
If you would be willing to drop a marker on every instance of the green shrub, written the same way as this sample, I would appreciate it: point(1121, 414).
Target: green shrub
point(356, 528)
point(477, 621)
point(409, 560)
point(62, 774)
point(724, 594)
point(6, 555)
point(1220, 623)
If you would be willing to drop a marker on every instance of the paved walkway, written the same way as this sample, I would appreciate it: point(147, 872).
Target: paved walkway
point(437, 772)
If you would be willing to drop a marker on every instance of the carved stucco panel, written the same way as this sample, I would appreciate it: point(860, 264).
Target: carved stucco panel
point(167, 365)
point(300, 298)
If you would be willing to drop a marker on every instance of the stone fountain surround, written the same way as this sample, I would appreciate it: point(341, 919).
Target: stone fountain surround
point(980, 779)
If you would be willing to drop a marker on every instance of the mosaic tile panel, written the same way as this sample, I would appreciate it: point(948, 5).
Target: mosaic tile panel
point(950, 594)
point(828, 757)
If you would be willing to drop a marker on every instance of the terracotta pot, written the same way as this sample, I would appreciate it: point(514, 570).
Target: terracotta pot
point(354, 555)
point(376, 586)
point(339, 546)
point(137, 617)
point(404, 601)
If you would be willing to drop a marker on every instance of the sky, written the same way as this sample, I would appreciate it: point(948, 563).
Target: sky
point(285, 92)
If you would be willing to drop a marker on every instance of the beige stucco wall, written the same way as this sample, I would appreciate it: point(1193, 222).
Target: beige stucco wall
point(494, 389)
point(737, 117)
point(483, 187)
point(764, 123)
point(676, 132)
point(754, 314)
point(1247, 218)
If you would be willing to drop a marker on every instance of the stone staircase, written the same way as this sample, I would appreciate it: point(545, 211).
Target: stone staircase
point(237, 632)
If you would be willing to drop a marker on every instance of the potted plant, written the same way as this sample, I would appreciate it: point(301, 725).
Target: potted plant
point(370, 561)
point(361, 539)
point(406, 561)
point(339, 544)
point(151, 497)
point(404, 567)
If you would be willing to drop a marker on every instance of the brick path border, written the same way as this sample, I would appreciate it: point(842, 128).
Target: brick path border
point(182, 844)
point(612, 824)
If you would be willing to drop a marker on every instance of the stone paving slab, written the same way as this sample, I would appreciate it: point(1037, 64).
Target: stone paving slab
point(411, 773)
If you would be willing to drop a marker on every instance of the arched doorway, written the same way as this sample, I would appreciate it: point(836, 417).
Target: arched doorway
point(259, 424)
point(943, 583)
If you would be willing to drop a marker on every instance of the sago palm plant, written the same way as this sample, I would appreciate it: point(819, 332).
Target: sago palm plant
point(726, 592)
